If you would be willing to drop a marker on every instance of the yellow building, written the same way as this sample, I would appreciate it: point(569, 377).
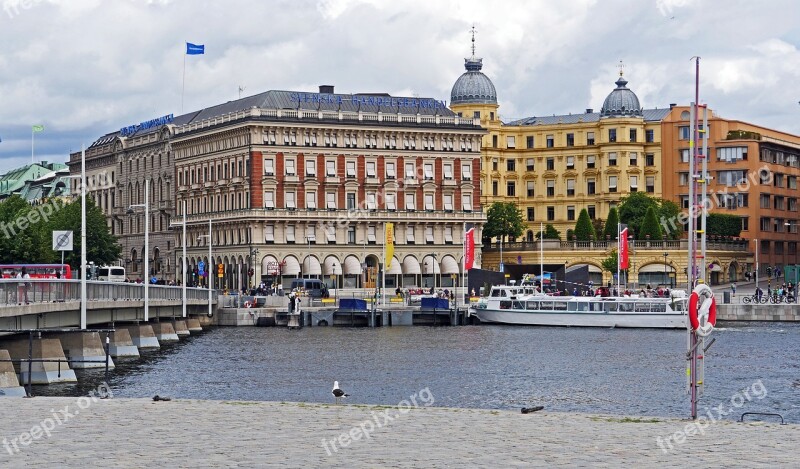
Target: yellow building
point(552, 167)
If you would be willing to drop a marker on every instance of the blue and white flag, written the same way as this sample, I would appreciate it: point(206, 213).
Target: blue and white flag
point(195, 49)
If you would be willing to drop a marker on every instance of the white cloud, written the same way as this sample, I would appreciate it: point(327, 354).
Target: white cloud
point(86, 67)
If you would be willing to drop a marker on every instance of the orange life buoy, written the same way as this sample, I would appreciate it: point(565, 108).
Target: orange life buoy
point(247, 304)
point(702, 315)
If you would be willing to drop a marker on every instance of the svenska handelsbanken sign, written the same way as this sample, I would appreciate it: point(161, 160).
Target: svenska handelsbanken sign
point(390, 101)
point(159, 121)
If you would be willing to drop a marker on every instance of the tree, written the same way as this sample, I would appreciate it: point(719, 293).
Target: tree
point(650, 228)
point(598, 225)
point(669, 219)
point(723, 224)
point(609, 264)
point(584, 231)
point(610, 231)
point(633, 208)
point(503, 219)
point(550, 232)
point(22, 237)
point(102, 247)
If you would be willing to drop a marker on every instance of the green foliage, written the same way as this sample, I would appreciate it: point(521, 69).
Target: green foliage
point(668, 218)
point(503, 219)
point(27, 233)
point(723, 224)
point(570, 235)
point(609, 264)
point(584, 231)
point(650, 228)
point(598, 225)
point(742, 135)
point(550, 232)
point(610, 231)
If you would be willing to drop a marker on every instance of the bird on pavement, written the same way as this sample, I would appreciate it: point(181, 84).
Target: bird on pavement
point(337, 392)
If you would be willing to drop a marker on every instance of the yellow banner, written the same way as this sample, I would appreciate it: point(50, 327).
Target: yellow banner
point(389, 244)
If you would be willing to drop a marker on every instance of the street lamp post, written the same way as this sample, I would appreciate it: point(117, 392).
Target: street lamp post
point(666, 254)
point(183, 264)
point(210, 276)
point(146, 206)
point(433, 266)
point(757, 249)
point(83, 237)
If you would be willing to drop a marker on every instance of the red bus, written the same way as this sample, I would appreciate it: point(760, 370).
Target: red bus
point(37, 270)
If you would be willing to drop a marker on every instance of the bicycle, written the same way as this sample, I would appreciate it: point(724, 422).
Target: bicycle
point(754, 299)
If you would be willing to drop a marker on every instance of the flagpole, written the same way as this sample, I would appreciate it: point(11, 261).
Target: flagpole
point(463, 265)
point(541, 257)
point(619, 256)
point(33, 138)
point(183, 83)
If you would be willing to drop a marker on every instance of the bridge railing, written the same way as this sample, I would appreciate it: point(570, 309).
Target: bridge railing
point(30, 291)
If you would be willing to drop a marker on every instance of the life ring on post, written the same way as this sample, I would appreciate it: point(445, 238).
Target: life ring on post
point(248, 304)
point(702, 310)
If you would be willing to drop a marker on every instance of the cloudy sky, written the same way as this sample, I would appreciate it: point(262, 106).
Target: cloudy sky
point(83, 68)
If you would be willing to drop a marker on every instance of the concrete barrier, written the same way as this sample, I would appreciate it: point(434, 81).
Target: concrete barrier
point(193, 324)
point(760, 312)
point(41, 372)
point(9, 384)
point(121, 344)
point(85, 346)
point(165, 332)
point(180, 328)
point(143, 336)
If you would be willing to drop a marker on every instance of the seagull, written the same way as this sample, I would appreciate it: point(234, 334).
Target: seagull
point(338, 393)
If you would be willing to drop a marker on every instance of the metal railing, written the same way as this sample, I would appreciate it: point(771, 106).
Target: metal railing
point(16, 292)
point(556, 245)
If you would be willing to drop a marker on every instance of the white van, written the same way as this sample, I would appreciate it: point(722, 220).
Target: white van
point(111, 274)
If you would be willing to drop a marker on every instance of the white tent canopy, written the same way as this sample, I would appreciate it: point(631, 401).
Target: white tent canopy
point(292, 266)
point(352, 266)
point(411, 265)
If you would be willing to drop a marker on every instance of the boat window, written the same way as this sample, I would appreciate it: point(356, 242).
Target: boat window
point(595, 306)
point(610, 306)
point(582, 306)
point(572, 306)
point(505, 305)
point(658, 308)
point(626, 307)
point(495, 293)
point(519, 305)
point(534, 305)
point(560, 306)
point(643, 307)
point(546, 306)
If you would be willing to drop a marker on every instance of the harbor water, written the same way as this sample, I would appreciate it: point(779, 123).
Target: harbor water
point(752, 367)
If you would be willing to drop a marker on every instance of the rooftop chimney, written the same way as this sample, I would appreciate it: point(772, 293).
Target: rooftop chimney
point(326, 89)
point(672, 105)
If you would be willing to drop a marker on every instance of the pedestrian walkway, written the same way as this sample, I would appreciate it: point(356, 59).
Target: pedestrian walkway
point(191, 433)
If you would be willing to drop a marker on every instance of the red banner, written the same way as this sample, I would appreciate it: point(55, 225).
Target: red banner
point(469, 249)
point(623, 249)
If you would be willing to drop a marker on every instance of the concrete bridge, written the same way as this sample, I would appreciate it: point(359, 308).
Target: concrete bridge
point(29, 352)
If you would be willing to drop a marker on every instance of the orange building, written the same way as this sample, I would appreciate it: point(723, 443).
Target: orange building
point(753, 174)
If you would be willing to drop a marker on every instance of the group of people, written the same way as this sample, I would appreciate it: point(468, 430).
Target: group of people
point(23, 286)
point(785, 291)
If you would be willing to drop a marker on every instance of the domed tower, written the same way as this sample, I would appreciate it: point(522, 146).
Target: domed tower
point(473, 94)
point(621, 102)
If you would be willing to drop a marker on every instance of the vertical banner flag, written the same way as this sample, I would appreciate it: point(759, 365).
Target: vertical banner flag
point(389, 244)
point(469, 249)
point(623, 249)
point(195, 49)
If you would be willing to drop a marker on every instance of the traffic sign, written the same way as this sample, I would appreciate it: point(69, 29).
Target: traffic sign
point(201, 266)
point(62, 240)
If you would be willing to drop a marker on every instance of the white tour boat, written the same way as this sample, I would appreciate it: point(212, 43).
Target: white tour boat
point(524, 304)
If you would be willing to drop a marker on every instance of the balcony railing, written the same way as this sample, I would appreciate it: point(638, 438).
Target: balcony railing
point(669, 245)
point(338, 215)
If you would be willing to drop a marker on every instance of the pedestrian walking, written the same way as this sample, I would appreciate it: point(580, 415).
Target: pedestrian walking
point(733, 288)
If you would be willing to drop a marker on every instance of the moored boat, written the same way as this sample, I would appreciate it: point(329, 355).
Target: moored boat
point(525, 305)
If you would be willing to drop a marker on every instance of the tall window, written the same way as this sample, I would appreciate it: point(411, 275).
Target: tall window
point(391, 203)
point(330, 200)
point(551, 187)
point(529, 187)
point(311, 200)
point(466, 202)
point(590, 161)
point(311, 168)
point(612, 159)
point(649, 136)
point(466, 172)
point(551, 164)
point(529, 141)
point(410, 201)
point(290, 238)
point(529, 164)
point(590, 138)
point(634, 183)
point(612, 135)
point(551, 213)
point(570, 212)
point(351, 169)
point(570, 162)
point(634, 158)
point(351, 200)
point(428, 171)
point(612, 184)
point(390, 170)
point(570, 140)
point(650, 184)
point(429, 202)
point(511, 141)
point(410, 171)
point(551, 141)
point(633, 135)
point(330, 168)
point(570, 187)
point(289, 200)
point(371, 173)
point(511, 164)
point(590, 186)
point(290, 169)
point(511, 189)
point(269, 200)
point(530, 214)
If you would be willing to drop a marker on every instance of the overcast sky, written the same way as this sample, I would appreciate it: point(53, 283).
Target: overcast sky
point(83, 68)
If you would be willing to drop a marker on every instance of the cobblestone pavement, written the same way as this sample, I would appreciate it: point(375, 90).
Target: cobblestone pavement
point(186, 433)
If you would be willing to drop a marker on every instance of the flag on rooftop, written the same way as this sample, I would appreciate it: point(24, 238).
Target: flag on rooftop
point(38, 128)
point(195, 49)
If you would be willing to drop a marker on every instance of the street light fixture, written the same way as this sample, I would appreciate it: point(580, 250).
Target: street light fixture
point(184, 263)
point(146, 206)
point(433, 266)
point(210, 275)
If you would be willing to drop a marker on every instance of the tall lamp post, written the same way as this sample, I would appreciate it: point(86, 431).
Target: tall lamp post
point(210, 277)
point(83, 236)
point(433, 266)
point(146, 206)
point(666, 279)
point(184, 263)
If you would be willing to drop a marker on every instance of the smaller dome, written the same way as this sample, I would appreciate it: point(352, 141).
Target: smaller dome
point(473, 87)
point(621, 102)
